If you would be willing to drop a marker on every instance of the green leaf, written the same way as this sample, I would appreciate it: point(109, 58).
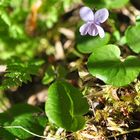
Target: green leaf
point(52, 73)
point(110, 4)
point(22, 116)
point(61, 71)
point(19, 109)
point(49, 75)
point(18, 72)
point(87, 44)
point(28, 122)
point(5, 135)
point(4, 3)
point(17, 32)
point(105, 63)
point(95, 4)
point(133, 37)
point(65, 106)
point(3, 132)
point(5, 18)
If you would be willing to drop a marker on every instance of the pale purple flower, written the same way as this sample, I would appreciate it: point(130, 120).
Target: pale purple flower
point(93, 21)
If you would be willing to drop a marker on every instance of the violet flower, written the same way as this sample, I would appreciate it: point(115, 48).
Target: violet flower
point(93, 21)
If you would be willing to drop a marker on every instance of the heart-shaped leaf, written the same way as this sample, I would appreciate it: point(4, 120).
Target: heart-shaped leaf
point(21, 116)
point(65, 106)
point(133, 37)
point(105, 63)
point(28, 122)
point(87, 44)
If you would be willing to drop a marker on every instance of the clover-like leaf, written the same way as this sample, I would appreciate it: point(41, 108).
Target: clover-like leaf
point(105, 63)
point(133, 37)
point(65, 106)
point(87, 44)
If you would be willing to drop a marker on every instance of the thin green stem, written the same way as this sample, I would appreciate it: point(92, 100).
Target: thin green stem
point(20, 127)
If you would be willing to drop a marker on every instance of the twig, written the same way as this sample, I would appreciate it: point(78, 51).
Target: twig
point(125, 132)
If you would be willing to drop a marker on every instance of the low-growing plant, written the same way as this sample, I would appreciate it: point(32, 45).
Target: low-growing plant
point(69, 69)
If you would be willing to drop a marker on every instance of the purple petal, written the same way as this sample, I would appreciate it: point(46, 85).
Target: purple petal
point(100, 31)
point(101, 15)
point(84, 29)
point(92, 30)
point(86, 14)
